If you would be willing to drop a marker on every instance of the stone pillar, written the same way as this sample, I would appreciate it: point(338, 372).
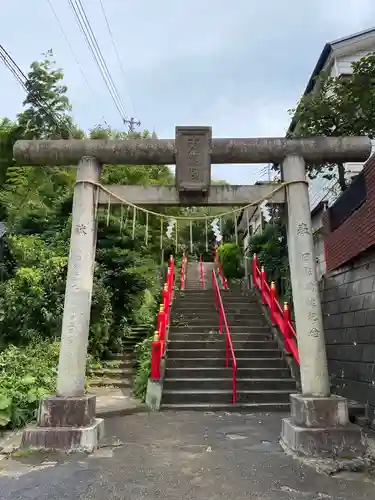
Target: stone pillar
point(79, 282)
point(67, 421)
point(319, 423)
point(306, 299)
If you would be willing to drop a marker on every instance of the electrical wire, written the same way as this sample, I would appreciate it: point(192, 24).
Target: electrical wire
point(91, 40)
point(116, 50)
point(70, 45)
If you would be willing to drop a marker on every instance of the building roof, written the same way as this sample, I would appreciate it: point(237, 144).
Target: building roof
point(321, 206)
point(323, 58)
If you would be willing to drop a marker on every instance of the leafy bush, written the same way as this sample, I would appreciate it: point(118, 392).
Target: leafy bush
point(230, 256)
point(26, 374)
point(272, 251)
point(39, 281)
point(143, 356)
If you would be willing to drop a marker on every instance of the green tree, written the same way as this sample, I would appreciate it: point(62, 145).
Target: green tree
point(272, 251)
point(47, 113)
point(338, 106)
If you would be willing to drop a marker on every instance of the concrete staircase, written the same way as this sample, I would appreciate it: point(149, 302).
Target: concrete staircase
point(193, 275)
point(196, 377)
point(119, 370)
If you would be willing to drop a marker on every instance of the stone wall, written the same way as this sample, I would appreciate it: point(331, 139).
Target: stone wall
point(348, 301)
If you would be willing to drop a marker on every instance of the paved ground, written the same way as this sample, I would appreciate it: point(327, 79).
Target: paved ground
point(175, 456)
point(113, 401)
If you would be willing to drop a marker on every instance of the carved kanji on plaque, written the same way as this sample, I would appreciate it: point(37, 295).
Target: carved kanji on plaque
point(193, 158)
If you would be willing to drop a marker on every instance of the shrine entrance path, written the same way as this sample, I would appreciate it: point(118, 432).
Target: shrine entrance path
point(165, 456)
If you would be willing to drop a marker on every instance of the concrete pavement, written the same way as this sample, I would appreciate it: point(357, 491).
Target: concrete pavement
point(170, 456)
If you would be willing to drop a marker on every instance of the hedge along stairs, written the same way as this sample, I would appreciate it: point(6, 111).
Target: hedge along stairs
point(196, 377)
point(119, 370)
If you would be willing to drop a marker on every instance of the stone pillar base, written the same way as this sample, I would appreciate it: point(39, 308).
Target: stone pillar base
point(65, 424)
point(154, 394)
point(320, 428)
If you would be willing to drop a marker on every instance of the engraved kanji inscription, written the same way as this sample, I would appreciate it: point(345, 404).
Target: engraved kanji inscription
point(193, 151)
point(311, 302)
point(195, 174)
point(306, 257)
point(310, 285)
point(193, 158)
point(312, 316)
point(308, 271)
point(314, 332)
point(302, 229)
point(81, 228)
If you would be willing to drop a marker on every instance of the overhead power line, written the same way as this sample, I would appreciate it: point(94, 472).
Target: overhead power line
point(87, 31)
point(132, 120)
point(70, 45)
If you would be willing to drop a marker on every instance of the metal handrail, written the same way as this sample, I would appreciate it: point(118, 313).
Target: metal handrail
point(229, 344)
point(279, 316)
point(183, 271)
point(201, 271)
point(160, 341)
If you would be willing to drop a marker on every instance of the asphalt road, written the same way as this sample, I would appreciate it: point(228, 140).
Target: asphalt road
point(174, 456)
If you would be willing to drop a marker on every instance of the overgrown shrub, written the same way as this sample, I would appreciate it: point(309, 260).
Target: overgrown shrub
point(230, 256)
point(143, 356)
point(32, 300)
point(272, 251)
point(26, 374)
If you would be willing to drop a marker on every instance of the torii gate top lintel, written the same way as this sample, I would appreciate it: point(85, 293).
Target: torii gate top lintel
point(193, 140)
point(193, 151)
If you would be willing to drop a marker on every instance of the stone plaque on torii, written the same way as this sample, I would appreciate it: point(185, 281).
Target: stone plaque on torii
point(69, 417)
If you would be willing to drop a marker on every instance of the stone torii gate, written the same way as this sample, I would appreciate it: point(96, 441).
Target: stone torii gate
point(67, 420)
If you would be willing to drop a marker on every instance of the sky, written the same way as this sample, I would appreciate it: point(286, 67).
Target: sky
point(236, 66)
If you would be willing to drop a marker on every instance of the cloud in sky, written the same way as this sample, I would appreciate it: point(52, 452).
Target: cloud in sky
point(237, 66)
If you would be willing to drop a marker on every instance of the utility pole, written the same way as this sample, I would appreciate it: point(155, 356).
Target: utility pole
point(131, 124)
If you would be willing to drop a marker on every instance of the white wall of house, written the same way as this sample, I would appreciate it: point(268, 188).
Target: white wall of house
point(256, 223)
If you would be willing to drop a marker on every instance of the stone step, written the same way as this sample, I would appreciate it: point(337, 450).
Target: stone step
point(119, 363)
point(209, 312)
point(111, 382)
point(219, 362)
point(210, 308)
point(119, 356)
point(219, 343)
point(206, 319)
point(133, 339)
point(207, 295)
point(199, 336)
point(113, 372)
point(243, 384)
point(211, 322)
point(220, 353)
point(213, 372)
point(224, 396)
point(213, 328)
point(222, 407)
point(199, 304)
